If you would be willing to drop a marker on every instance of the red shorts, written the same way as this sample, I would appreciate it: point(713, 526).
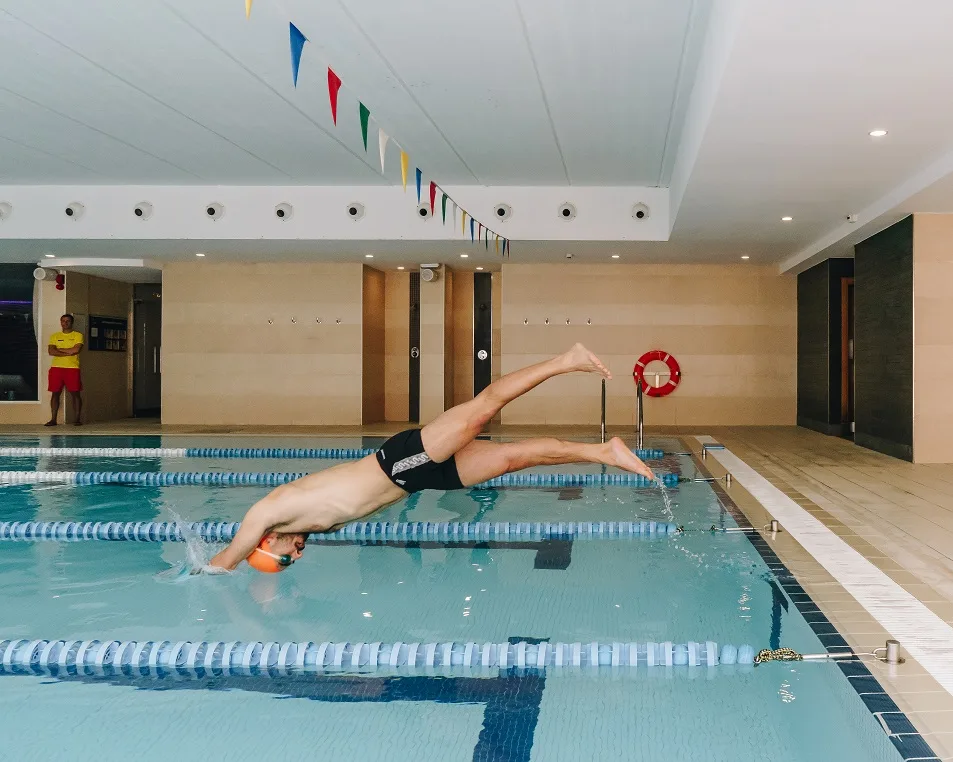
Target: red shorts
point(68, 377)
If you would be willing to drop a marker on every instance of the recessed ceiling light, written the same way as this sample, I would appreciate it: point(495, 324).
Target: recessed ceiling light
point(479, 268)
point(50, 256)
point(745, 256)
point(615, 256)
point(199, 254)
point(368, 256)
point(400, 267)
point(786, 219)
point(877, 133)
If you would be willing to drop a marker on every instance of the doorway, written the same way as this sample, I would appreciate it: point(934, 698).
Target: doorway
point(413, 360)
point(482, 330)
point(847, 356)
point(147, 350)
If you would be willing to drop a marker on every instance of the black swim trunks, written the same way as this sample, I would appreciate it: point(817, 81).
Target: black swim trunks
point(403, 459)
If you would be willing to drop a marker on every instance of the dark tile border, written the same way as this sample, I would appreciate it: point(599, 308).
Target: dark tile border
point(903, 735)
point(552, 553)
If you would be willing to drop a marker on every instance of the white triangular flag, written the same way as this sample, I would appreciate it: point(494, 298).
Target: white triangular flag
point(454, 214)
point(382, 138)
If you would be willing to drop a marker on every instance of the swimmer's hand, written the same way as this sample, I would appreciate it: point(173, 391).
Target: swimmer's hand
point(208, 569)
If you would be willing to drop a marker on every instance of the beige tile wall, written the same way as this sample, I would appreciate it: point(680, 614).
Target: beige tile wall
point(52, 305)
point(225, 364)
point(107, 376)
point(373, 359)
point(732, 329)
point(932, 338)
point(462, 337)
point(396, 345)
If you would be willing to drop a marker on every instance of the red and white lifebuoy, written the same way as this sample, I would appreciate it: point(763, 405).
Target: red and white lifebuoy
point(675, 373)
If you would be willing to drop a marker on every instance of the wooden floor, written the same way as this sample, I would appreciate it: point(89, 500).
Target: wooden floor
point(897, 514)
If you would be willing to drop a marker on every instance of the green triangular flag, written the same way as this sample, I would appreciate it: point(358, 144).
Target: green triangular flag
point(443, 208)
point(365, 115)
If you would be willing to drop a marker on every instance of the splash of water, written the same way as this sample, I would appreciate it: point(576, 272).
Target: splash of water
point(666, 499)
point(198, 553)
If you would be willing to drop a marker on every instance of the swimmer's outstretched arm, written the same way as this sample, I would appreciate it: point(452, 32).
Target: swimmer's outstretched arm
point(258, 522)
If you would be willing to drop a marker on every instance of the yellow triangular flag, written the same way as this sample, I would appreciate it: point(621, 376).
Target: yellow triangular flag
point(404, 159)
point(248, 8)
point(463, 223)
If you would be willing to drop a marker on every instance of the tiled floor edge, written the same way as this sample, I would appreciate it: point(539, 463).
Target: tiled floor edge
point(900, 730)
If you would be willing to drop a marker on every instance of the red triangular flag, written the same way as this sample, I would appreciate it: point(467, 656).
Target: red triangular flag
point(480, 233)
point(433, 195)
point(334, 84)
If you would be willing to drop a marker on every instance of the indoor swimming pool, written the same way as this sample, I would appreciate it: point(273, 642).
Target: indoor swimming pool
point(695, 586)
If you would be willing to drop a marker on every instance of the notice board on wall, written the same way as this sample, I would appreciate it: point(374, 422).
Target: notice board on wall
point(107, 334)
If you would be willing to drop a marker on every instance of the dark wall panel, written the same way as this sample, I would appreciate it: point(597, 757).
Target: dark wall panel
point(883, 343)
point(819, 346)
point(813, 347)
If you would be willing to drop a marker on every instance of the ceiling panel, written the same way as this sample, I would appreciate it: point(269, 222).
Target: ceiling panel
point(472, 75)
point(478, 94)
point(19, 163)
point(234, 124)
point(105, 159)
point(611, 80)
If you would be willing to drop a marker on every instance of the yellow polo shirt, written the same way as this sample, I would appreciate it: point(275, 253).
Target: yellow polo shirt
point(69, 340)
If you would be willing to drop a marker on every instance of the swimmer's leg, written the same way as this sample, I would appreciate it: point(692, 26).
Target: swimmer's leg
point(452, 430)
point(480, 460)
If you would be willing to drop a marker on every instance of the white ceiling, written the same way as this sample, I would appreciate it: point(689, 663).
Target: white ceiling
point(749, 109)
point(788, 135)
point(499, 92)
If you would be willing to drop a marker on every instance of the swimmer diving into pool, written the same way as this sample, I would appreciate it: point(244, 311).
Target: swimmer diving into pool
point(443, 455)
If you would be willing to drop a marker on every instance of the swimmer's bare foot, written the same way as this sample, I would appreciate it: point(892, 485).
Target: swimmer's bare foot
point(618, 454)
point(50, 423)
point(580, 358)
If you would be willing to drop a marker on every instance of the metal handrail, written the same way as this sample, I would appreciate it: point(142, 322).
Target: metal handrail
point(640, 424)
point(603, 430)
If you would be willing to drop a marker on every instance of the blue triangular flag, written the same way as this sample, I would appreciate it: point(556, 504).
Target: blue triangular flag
point(472, 239)
point(297, 45)
point(419, 173)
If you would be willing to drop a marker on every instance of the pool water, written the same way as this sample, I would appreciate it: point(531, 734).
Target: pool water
point(697, 585)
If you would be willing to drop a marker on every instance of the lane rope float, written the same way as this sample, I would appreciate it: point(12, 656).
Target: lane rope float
point(373, 531)
point(261, 658)
point(225, 479)
point(323, 453)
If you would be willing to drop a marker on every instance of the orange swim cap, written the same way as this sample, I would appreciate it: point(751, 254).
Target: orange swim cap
point(265, 561)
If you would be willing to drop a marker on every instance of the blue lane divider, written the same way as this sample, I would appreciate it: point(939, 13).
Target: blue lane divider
point(211, 478)
point(320, 453)
point(238, 657)
point(378, 531)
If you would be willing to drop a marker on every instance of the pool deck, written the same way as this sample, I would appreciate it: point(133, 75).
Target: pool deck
point(896, 515)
